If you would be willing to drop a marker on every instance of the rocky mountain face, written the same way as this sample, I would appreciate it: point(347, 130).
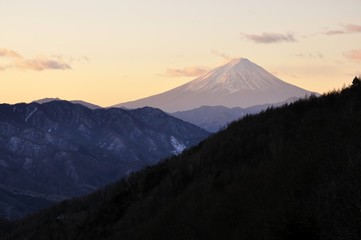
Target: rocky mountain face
point(58, 149)
point(240, 83)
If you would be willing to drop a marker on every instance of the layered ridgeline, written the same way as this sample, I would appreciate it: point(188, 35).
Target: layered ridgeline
point(240, 83)
point(214, 118)
point(58, 149)
point(287, 173)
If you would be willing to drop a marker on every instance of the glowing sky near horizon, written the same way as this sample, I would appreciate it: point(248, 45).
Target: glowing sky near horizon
point(112, 51)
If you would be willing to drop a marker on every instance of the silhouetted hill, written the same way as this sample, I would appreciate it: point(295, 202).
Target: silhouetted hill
point(286, 173)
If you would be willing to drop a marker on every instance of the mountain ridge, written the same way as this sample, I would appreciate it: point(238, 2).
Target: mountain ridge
point(84, 103)
point(59, 149)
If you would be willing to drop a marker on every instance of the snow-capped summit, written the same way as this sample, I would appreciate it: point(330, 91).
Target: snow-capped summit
point(238, 74)
point(239, 83)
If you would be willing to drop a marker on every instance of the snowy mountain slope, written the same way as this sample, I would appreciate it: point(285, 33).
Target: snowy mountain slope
point(58, 149)
point(240, 83)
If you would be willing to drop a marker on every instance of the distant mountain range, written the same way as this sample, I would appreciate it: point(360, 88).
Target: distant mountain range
point(240, 83)
point(58, 149)
point(221, 96)
point(214, 118)
point(210, 118)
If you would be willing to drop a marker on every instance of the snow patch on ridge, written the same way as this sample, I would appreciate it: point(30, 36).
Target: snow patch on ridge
point(30, 114)
point(178, 146)
point(70, 171)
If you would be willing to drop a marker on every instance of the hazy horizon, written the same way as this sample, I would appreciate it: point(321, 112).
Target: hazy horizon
point(110, 52)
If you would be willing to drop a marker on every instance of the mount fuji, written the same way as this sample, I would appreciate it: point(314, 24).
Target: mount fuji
point(239, 83)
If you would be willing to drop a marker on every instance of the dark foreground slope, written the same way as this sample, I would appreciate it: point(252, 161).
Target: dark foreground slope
point(287, 173)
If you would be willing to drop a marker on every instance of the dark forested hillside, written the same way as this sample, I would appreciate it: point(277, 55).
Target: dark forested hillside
point(287, 173)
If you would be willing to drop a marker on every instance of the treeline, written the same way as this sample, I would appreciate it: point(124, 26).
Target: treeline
point(287, 173)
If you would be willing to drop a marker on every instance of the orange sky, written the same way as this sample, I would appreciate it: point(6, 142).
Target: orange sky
point(111, 51)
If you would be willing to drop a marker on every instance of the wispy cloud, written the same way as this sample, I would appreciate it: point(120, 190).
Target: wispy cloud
point(334, 32)
point(185, 72)
point(267, 38)
point(7, 53)
point(345, 29)
point(15, 60)
point(42, 64)
point(310, 55)
point(353, 55)
point(223, 55)
point(353, 28)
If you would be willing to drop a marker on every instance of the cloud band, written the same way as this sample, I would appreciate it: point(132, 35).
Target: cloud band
point(267, 38)
point(37, 64)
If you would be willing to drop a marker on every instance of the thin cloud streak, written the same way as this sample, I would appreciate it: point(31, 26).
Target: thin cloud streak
point(223, 55)
point(42, 64)
point(310, 55)
point(334, 32)
point(353, 55)
point(268, 38)
point(37, 64)
point(185, 72)
point(346, 29)
point(7, 53)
